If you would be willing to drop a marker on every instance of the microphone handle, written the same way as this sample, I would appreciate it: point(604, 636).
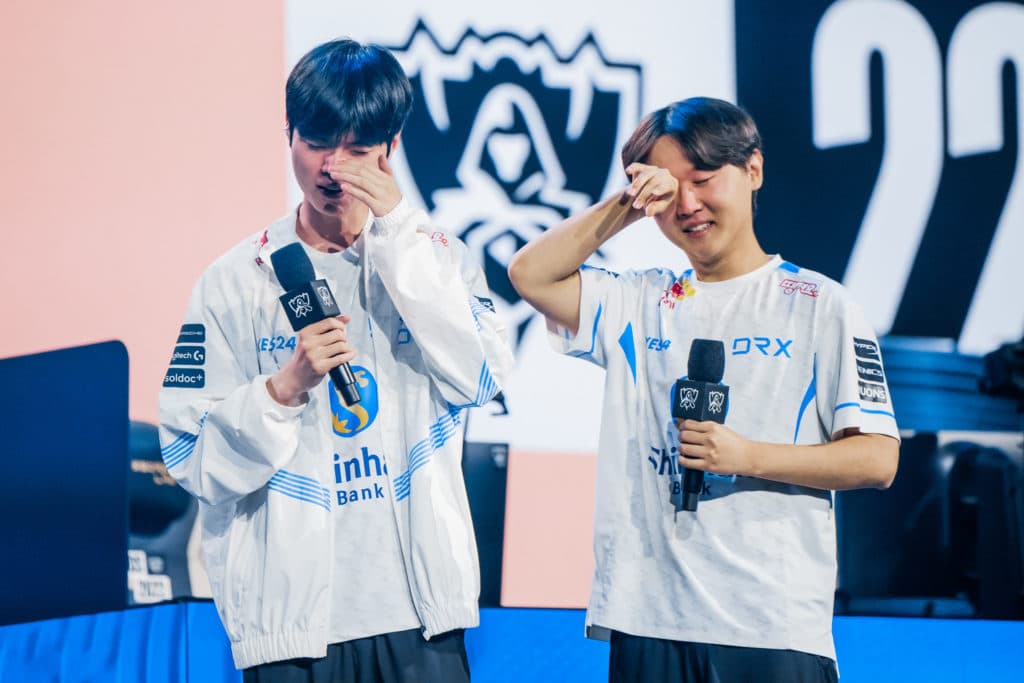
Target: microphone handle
point(693, 486)
point(345, 382)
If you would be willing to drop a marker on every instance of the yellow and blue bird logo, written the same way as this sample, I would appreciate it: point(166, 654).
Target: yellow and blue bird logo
point(348, 421)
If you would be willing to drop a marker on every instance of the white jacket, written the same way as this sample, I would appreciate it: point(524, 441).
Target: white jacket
point(262, 470)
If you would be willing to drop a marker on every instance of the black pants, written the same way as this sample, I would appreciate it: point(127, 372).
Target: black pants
point(401, 657)
point(634, 659)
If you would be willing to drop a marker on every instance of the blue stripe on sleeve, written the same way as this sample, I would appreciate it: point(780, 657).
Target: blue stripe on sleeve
point(854, 404)
point(487, 388)
point(179, 450)
point(442, 430)
point(305, 489)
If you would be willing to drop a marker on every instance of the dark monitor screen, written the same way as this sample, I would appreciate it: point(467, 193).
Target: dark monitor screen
point(63, 470)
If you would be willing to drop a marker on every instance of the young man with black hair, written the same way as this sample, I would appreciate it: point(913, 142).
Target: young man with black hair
point(337, 537)
point(742, 588)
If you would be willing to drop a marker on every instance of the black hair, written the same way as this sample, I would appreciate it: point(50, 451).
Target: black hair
point(344, 87)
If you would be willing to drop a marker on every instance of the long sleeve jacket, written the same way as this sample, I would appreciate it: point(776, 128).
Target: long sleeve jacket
point(262, 470)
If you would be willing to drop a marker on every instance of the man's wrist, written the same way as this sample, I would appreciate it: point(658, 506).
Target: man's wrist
point(755, 456)
point(392, 220)
point(285, 392)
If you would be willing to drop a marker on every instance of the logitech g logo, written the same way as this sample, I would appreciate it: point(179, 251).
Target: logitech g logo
point(347, 421)
point(188, 355)
point(300, 305)
point(507, 138)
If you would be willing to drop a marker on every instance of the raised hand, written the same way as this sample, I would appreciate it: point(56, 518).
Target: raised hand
point(369, 179)
point(653, 189)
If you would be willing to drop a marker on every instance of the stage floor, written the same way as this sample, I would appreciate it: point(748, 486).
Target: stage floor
point(183, 642)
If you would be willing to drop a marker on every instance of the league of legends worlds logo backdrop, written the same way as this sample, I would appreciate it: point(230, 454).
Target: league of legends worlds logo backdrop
point(508, 138)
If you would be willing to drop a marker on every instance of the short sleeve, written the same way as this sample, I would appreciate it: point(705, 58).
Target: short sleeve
point(605, 297)
point(852, 390)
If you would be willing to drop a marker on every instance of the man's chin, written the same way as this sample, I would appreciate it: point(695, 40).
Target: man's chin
point(333, 206)
point(330, 207)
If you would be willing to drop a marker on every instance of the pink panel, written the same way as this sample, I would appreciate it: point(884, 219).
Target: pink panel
point(141, 141)
point(549, 527)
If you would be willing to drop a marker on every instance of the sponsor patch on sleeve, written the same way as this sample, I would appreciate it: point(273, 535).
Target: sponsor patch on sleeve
point(865, 348)
point(870, 372)
point(188, 355)
point(192, 333)
point(185, 378)
point(875, 393)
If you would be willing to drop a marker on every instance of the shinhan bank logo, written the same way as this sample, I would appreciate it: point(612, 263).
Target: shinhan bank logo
point(348, 421)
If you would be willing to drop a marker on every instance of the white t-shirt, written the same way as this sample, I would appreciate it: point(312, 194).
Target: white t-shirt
point(755, 565)
point(370, 591)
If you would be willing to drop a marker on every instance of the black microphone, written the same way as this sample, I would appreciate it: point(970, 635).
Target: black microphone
point(306, 301)
point(700, 396)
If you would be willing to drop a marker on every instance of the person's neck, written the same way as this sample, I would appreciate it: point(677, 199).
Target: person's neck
point(330, 233)
point(733, 264)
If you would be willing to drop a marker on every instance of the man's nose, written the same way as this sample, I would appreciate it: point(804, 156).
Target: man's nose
point(328, 160)
point(688, 203)
point(331, 157)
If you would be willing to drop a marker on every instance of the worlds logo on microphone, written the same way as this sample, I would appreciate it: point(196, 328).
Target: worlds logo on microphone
point(507, 138)
point(325, 296)
point(300, 305)
point(347, 421)
point(688, 398)
point(716, 401)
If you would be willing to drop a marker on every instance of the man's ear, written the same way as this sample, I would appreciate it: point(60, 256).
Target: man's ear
point(288, 130)
point(755, 169)
point(393, 144)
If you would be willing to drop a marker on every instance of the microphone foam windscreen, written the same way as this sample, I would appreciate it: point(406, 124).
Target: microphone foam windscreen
point(707, 361)
point(292, 266)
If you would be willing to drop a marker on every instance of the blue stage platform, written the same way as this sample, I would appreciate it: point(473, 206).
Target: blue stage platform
point(184, 643)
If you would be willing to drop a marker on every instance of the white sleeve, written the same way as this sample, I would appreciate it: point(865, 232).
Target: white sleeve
point(445, 303)
point(222, 436)
point(605, 297)
point(851, 388)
